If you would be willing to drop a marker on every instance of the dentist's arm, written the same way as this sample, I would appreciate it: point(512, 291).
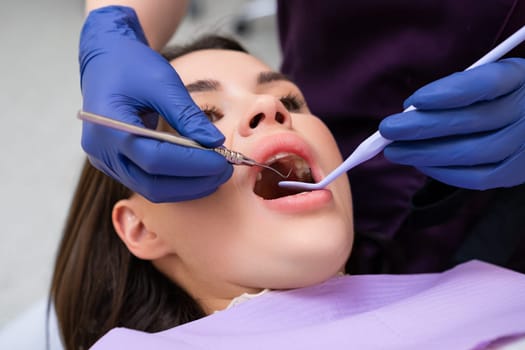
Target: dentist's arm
point(122, 77)
point(159, 18)
point(468, 130)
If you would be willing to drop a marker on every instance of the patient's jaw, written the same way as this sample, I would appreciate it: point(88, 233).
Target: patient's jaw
point(235, 241)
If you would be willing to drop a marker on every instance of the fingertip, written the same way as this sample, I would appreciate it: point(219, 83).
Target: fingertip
point(388, 126)
point(423, 98)
point(383, 127)
point(408, 102)
point(391, 153)
point(191, 122)
point(226, 175)
point(207, 134)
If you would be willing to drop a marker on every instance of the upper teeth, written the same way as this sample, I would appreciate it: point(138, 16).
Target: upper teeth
point(278, 156)
point(301, 169)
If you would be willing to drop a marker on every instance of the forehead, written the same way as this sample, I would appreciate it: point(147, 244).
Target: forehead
point(218, 64)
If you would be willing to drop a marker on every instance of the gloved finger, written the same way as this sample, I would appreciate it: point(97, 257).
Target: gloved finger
point(483, 116)
point(154, 157)
point(472, 149)
point(482, 177)
point(172, 189)
point(159, 189)
point(482, 83)
point(163, 158)
point(93, 135)
point(175, 104)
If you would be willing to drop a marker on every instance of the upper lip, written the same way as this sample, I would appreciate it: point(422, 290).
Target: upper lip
point(270, 145)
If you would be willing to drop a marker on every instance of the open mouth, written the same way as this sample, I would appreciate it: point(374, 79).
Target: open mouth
point(266, 185)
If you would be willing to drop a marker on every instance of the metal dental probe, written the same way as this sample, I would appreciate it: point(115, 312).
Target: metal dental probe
point(231, 156)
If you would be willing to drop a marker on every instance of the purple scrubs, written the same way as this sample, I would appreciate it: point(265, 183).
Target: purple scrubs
point(356, 62)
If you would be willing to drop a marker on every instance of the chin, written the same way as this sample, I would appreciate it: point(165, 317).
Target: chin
point(314, 269)
point(324, 255)
point(307, 278)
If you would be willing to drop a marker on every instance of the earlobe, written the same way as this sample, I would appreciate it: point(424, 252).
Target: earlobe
point(129, 226)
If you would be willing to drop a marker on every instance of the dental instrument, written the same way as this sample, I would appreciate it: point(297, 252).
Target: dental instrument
point(374, 144)
point(233, 157)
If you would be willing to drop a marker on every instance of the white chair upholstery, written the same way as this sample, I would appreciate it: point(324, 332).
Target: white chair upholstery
point(28, 330)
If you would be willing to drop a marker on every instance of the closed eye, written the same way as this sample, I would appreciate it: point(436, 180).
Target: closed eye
point(213, 113)
point(292, 102)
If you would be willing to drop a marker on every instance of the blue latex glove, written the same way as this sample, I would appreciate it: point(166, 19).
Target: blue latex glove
point(121, 76)
point(468, 130)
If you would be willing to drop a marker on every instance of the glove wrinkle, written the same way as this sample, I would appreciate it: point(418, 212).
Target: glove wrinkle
point(468, 130)
point(121, 78)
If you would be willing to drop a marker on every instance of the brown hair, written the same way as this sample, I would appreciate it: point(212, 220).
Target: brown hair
point(97, 283)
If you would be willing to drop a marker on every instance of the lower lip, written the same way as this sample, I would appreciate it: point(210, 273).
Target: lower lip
point(301, 202)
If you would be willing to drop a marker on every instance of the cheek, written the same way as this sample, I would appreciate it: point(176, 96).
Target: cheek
point(164, 220)
point(329, 157)
point(200, 229)
point(321, 139)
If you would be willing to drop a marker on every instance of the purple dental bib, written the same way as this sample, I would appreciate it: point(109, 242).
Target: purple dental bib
point(467, 307)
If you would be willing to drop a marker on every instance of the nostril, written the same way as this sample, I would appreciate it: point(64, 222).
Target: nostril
point(256, 120)
point(279, 118)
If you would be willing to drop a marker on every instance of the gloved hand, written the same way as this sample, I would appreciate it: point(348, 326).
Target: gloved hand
point(468, 130)
point(121, 76)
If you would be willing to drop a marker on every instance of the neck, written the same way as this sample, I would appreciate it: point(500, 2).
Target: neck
point(210, 294)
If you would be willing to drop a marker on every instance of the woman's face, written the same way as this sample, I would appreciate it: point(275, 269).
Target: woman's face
point(248, 235)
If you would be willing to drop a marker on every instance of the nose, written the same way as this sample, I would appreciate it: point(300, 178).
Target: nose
point(266, 112)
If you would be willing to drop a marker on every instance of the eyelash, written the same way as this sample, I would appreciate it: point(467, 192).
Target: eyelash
point(213, 113)
point(292, 102)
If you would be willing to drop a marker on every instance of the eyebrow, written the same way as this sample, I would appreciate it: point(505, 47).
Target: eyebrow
point(203, 85)
point(268, 77)
point(214, 85)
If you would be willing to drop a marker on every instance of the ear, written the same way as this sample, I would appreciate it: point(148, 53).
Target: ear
point(129, 225)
